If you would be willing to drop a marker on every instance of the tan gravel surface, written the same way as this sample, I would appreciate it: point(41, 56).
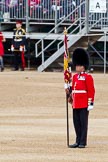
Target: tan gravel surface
point(33, 119)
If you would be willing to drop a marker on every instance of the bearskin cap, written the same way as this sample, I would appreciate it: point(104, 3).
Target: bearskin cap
point(80, 57)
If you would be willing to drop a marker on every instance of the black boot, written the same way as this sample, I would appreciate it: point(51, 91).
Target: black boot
point(74, 145)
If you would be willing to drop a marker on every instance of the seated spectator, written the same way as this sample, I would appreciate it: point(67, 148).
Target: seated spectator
point(16, 8)
point(11, 6)
point(59, 8)
point(13, 3)
point(34, 7)
point(21, 9)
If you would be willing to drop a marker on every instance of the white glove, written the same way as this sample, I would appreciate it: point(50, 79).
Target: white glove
point(12, 48)
point(90, 107)
point(66, 85)
point(21, 48)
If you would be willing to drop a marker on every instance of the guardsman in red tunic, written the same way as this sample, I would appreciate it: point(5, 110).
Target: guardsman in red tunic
point(82, 96)
point(2, 39)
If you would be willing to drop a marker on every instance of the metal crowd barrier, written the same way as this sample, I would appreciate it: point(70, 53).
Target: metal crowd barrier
point(49, 10)
point(38, 9)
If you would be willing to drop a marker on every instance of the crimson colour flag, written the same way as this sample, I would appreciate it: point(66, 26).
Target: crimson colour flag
point(67, 73)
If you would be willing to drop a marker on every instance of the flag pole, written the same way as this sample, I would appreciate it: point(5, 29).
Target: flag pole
point(67, 116)
point(67, 107)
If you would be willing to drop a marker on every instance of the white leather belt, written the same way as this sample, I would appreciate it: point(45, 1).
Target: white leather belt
point(79, 91)
point(17, 40)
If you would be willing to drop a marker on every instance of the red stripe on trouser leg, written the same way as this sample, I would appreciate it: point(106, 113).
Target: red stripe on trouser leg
point(23, 59)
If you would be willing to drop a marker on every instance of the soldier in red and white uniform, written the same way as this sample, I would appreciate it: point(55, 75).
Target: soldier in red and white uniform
point(82, 90)
point(82, 96)
point(18, 46)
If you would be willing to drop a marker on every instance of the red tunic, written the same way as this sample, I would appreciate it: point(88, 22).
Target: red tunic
point(82, 90)
point(1, 45)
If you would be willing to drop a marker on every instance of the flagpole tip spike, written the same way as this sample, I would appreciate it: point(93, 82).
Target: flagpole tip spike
point(65, 31)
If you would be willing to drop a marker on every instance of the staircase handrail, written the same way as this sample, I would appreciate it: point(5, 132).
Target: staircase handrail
point(41, 40)
point(70, 33)
point(95, 23)
point(97, 52)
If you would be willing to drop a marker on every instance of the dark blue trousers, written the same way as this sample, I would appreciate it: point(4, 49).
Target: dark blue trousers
point(80, 120)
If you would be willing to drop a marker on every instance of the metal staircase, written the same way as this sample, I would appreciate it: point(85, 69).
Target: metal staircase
point(72, 40)
point(77, 36)
point(78, 27)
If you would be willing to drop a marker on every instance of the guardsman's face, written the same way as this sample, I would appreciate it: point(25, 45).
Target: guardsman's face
point(18, 25)
point(80, 68)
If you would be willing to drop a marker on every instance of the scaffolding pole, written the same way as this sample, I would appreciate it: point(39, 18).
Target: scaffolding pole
point(105, 32)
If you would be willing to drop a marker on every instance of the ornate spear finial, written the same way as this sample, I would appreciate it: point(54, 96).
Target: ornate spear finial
point(65, 31)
